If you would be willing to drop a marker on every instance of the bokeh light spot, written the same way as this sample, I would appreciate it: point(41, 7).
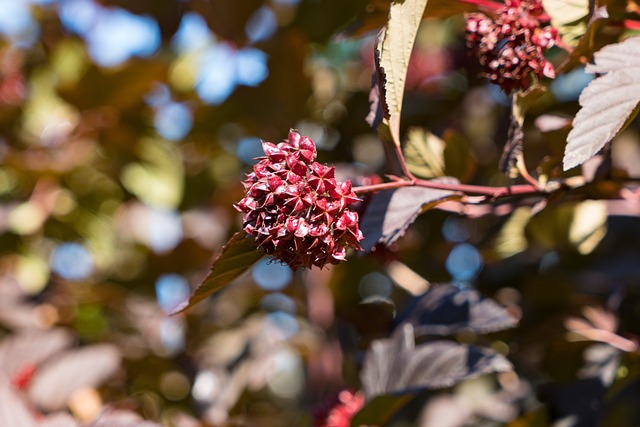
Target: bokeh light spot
point(261, 24)
point(271, 276)
point(173, 121)
point(251, 66)
point(171, 291)
point(464, 262)
point(248, 149)
point(72, 261)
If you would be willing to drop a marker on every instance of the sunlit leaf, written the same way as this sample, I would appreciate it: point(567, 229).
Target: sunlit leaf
point(424, 153)
point(393, 50)
point(90, 366)
point(398, 365)
point(512, 238)
point(447, 310)
point(589, 225)
point(391, 212)
point(237, 256)
point(14, 410)
point(608, 103)
point(158, 180)
point(30, 348)
point(566, 17)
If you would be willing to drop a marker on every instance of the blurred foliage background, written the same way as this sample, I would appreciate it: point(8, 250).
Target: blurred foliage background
point(125, 130)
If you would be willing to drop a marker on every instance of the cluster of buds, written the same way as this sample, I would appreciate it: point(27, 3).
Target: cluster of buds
point(295, 208)
point(339, 411)
point(511, 47)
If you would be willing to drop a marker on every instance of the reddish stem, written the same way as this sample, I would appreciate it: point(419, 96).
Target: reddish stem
point(631, 25)
point(493, 192)
point(485, 3)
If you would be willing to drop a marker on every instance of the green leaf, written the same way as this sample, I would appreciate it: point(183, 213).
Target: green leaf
point(568, 17)
point(608, 104)
point(158, 180)
point(458, 161)
point(237, 256)
point(393, 50)
point(380, 410)
point(424, 153)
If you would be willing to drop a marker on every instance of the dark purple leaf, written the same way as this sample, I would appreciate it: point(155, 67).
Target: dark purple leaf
point(398, 365)
point(391, 212)
point(57, 379)
point(447, 310)
point(580, 400)
point(237, 256)
point(376, 100)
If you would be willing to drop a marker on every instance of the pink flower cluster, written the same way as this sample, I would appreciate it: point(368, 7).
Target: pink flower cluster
point(511, 47)
point(339, 411)
point(295, 208)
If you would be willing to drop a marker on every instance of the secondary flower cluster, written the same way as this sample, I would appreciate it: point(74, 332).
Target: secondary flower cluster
point(511, 47)
point(339, 411)
point(295, 208)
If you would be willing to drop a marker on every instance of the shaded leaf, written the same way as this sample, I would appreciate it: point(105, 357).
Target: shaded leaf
point(574, 401)
point(121, 418)
point(522, 101)
point(447, 310)
point(512, 149)
point(424, 153)
point(380, 410)
point(375, 116)
point(55, 381)
point(458, 160)
point(608, 103)
point(391, 212)
point(393, 48)
point(398, 365)
point(237, 256)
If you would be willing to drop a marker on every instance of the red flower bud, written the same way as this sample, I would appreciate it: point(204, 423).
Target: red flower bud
point(511, 47)
point(296, 209)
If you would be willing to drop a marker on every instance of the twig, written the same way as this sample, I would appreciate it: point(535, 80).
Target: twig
point(493, 192)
